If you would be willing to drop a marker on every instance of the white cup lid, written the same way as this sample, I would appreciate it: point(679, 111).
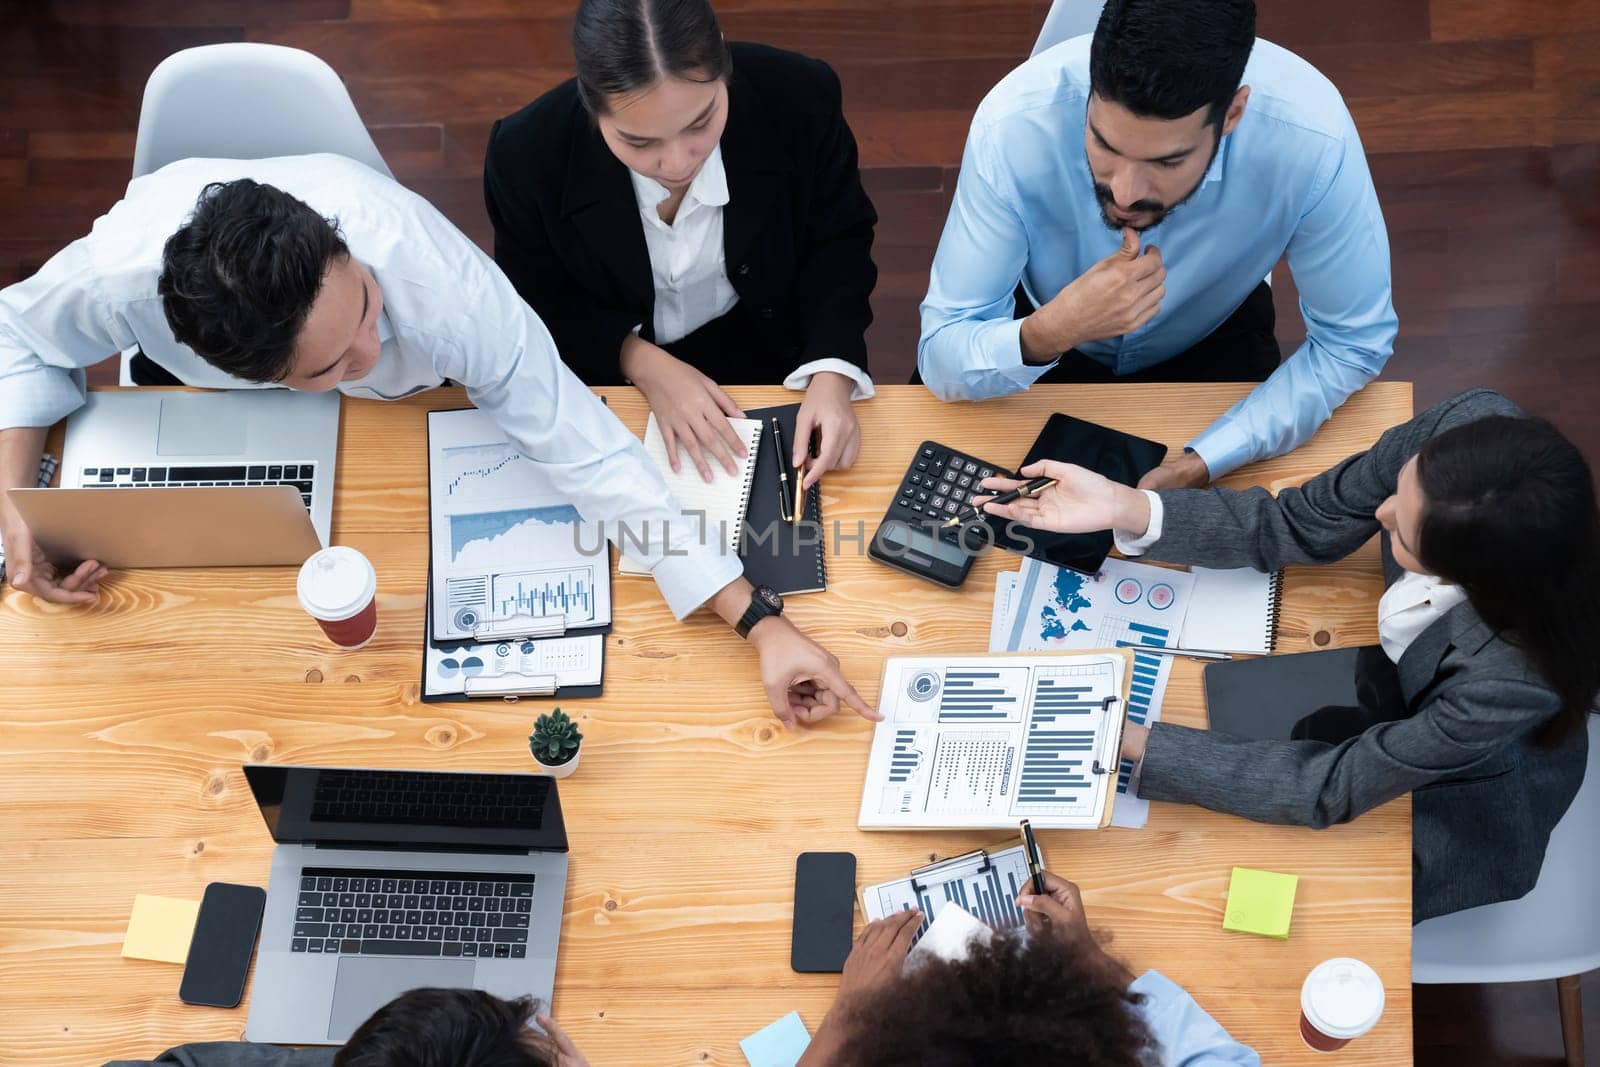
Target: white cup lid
point(1342, 998)
point(336, 583)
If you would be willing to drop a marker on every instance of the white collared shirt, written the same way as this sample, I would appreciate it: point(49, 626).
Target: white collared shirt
point(1407, 607)
point(449, 313)
point(689, 265)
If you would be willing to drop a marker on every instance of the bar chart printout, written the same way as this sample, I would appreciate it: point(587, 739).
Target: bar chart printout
point(1060, 744)
point(985, 886)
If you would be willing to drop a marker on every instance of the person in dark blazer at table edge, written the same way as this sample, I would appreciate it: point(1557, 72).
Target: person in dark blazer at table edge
point(1489, 625)
point(686, 213)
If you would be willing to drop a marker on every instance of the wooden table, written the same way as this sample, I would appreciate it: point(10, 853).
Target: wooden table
point(124, 727)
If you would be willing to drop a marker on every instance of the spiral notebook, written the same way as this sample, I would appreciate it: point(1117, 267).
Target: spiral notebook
point(784, 556)
point(718, 504)
point(1233, 611)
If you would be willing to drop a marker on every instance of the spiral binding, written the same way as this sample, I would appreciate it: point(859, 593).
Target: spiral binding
point(752, 456)
point(1274, 607)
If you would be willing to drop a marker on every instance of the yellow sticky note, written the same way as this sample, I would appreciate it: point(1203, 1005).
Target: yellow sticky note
point(160, 929)
point(1260, 902)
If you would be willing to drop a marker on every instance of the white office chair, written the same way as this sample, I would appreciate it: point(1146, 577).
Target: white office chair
point(1067, 18)
point(1553, 932)
point(245, 101)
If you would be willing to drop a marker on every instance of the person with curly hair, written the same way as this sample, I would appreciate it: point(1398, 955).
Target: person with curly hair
point(1049, 994)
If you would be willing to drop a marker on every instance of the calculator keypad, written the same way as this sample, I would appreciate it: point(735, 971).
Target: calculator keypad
point(937, 484)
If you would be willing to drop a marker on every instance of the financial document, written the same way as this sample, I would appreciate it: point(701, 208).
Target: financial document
point(983, 741)
point(984, 884)
point(505, 544)
point(1127, 605)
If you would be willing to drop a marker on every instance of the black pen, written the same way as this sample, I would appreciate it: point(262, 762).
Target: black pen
point(785, 494)
point(968, 513)
point(1030, 849)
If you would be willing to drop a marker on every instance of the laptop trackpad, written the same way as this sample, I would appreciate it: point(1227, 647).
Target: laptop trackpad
point(212, 425)
point(367, 983)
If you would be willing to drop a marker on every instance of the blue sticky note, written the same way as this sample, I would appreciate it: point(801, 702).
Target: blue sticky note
point(779, 1045)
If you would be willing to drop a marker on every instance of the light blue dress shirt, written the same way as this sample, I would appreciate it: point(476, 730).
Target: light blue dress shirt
point(1187, 1035)
point(1291, 178)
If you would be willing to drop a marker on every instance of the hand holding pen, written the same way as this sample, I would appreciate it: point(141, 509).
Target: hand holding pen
point(1080, 501)
point(972, 512)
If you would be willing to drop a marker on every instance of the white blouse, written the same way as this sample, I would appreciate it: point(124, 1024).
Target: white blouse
point(689, 269)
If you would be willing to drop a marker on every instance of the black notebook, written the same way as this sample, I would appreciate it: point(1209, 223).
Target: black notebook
point(779, 554)
point(1262, 699)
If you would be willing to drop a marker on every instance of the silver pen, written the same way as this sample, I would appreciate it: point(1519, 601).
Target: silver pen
point(1191, 653)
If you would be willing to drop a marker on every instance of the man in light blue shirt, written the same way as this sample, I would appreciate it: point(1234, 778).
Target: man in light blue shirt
point(1138, 185)
point(1051, 995)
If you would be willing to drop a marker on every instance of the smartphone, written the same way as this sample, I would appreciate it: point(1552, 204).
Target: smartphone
point(824, 911)
point(223, 943)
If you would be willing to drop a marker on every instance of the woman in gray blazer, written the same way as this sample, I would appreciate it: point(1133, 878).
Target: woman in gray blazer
point(1491, 551)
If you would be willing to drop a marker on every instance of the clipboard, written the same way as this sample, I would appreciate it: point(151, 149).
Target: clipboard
point(982, 741)
point(982, 882)
point(509, 687)
point(517, 626)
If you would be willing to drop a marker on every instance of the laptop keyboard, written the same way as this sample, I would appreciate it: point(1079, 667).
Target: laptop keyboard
point(433, 798)
point(412, 913)
point(299, 475)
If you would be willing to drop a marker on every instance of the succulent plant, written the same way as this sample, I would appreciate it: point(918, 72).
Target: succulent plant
point(555, 738)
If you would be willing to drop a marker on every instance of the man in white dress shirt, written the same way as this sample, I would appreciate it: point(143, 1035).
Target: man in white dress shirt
point(316, 273)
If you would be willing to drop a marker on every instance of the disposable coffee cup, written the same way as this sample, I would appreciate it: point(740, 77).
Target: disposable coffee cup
point(1341, 999)
point(339, 588)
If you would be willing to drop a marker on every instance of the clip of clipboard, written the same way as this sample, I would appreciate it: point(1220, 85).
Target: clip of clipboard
point(952, 864)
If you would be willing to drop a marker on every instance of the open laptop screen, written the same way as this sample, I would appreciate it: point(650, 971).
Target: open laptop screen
point(337, 805)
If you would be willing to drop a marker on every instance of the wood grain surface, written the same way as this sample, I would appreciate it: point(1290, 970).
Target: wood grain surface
point(124, 727)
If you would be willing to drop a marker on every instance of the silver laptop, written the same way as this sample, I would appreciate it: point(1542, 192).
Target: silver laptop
point(386, 881)
point(150, 438)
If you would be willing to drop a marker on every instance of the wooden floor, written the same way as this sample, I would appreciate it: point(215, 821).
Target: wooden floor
point(1482, 118)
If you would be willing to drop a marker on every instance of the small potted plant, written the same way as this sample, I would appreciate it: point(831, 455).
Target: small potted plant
point(555, 743)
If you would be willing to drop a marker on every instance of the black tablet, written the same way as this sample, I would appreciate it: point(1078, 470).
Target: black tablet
point(1122, 457)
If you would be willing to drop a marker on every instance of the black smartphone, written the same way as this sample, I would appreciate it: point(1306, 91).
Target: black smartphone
point(223, 943)
point(824, 911)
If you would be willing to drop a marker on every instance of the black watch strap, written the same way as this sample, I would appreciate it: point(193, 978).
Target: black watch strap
point(764, 603)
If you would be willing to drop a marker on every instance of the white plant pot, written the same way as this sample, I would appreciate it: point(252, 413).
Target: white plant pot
point(560, 770)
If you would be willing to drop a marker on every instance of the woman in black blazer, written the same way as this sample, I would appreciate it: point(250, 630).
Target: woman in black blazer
point(684, 213)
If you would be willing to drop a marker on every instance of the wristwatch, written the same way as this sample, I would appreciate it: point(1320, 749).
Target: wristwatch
point(764, 602)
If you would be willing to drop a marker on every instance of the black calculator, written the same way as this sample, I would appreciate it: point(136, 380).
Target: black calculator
point(935, 488)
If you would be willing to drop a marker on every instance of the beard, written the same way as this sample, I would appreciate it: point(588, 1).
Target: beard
point(1104, 198)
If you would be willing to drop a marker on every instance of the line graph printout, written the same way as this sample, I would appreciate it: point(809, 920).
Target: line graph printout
point(504, 541)
point(984, 741)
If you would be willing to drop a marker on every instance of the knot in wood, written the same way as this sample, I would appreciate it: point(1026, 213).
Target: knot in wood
point(352, 678)
point(215, 784)
point(898, 629)
point(261, 753)
point(313, 675)
point(1321, 637)
point(611, 905)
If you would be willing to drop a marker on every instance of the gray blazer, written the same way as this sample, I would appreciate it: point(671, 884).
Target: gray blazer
point(1485, 795)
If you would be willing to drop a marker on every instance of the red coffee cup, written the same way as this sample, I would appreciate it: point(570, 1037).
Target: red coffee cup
point(339, 588)
point(1341, 999)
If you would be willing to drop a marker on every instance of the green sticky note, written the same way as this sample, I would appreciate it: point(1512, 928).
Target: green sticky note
point(1260, 902)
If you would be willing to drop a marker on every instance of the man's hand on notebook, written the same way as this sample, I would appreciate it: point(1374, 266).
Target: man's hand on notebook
point(30, 570)
point(802, 679)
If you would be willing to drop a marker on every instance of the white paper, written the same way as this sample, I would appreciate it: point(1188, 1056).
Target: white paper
point(574, 661)
point(950, 937)
point(505, 542)
point(1005, 587)
point(715, 509)
point(1231, 612)
point(1094, 606)
point(980, 741)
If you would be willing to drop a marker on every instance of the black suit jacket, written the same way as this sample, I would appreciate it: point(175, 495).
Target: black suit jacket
point(797, 230)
